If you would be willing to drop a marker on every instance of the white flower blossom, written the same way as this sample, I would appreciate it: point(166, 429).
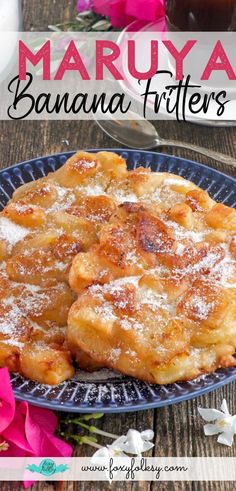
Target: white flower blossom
point(136, 443)
point(104, 454)
point(224, 423)
point(113, 450)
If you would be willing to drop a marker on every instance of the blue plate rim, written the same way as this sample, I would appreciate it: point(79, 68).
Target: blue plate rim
point(128, 408)
point(138, 406)
point(68, 153)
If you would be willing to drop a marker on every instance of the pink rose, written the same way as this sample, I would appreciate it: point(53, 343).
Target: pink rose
point(7, 400)
point(102, 7)
point(119, 14)
point(150, 10)
point(25, 430)
point(83, 5)
point(122, 12)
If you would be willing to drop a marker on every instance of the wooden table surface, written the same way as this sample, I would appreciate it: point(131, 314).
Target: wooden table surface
point(178, 429)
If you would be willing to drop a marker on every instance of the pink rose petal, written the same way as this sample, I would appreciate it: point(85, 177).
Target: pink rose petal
point(119, 17)
point(152, 10)
point(123, 12)
point(43, 442)
point(7, 401)
point(15, 433)
point(13, 451)
point(44, 417)
point(27, 484)
point(102, 7)
point(83, 5)
point(28, 430)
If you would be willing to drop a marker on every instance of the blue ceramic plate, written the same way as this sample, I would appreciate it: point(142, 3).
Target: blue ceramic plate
point(106, 391)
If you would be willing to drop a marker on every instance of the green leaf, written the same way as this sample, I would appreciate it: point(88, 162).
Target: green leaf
point(102, 25)
point(83, 439)
point(87, 417)
point(85, 13)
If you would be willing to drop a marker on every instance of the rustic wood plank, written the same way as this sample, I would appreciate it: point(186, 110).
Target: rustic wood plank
point(38, 15)
point(46, 137)
point(178, 429)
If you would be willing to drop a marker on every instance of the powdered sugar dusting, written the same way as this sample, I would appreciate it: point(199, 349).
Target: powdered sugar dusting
point(65, 198)
point(114, 354)
point(122, 196)
point(106, 312)
point(181, 233)
point(201, 307)
point(11, 232)
point(92, 190)
point(153, 299)
point(9, 322)
point(171, 181)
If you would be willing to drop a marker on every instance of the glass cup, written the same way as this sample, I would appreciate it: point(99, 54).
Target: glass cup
point(201, 15)
point(10, 25)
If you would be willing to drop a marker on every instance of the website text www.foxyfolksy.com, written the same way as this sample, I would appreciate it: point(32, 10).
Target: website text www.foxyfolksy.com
point(118, 469)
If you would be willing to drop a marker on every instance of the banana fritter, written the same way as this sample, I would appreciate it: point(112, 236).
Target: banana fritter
point(157, 294)
point(42, 228)
point(132, 270)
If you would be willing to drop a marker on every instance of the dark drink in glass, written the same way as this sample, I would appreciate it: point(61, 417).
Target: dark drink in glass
point(201, 15)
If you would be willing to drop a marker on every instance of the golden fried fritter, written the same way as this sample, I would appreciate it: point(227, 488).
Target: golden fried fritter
point(151, 256)
point(157, 294)
point(136, 325)
point(42, 228)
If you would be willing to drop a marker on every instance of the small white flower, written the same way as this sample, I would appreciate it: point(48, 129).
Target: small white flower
point(225, 424)
point(104, 454)
point(113, 450)
point(136, 443)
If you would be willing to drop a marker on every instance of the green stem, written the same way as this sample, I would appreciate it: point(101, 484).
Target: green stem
point(92, 444)
point(106, 433)
point(93, 429)
point(85, 439)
